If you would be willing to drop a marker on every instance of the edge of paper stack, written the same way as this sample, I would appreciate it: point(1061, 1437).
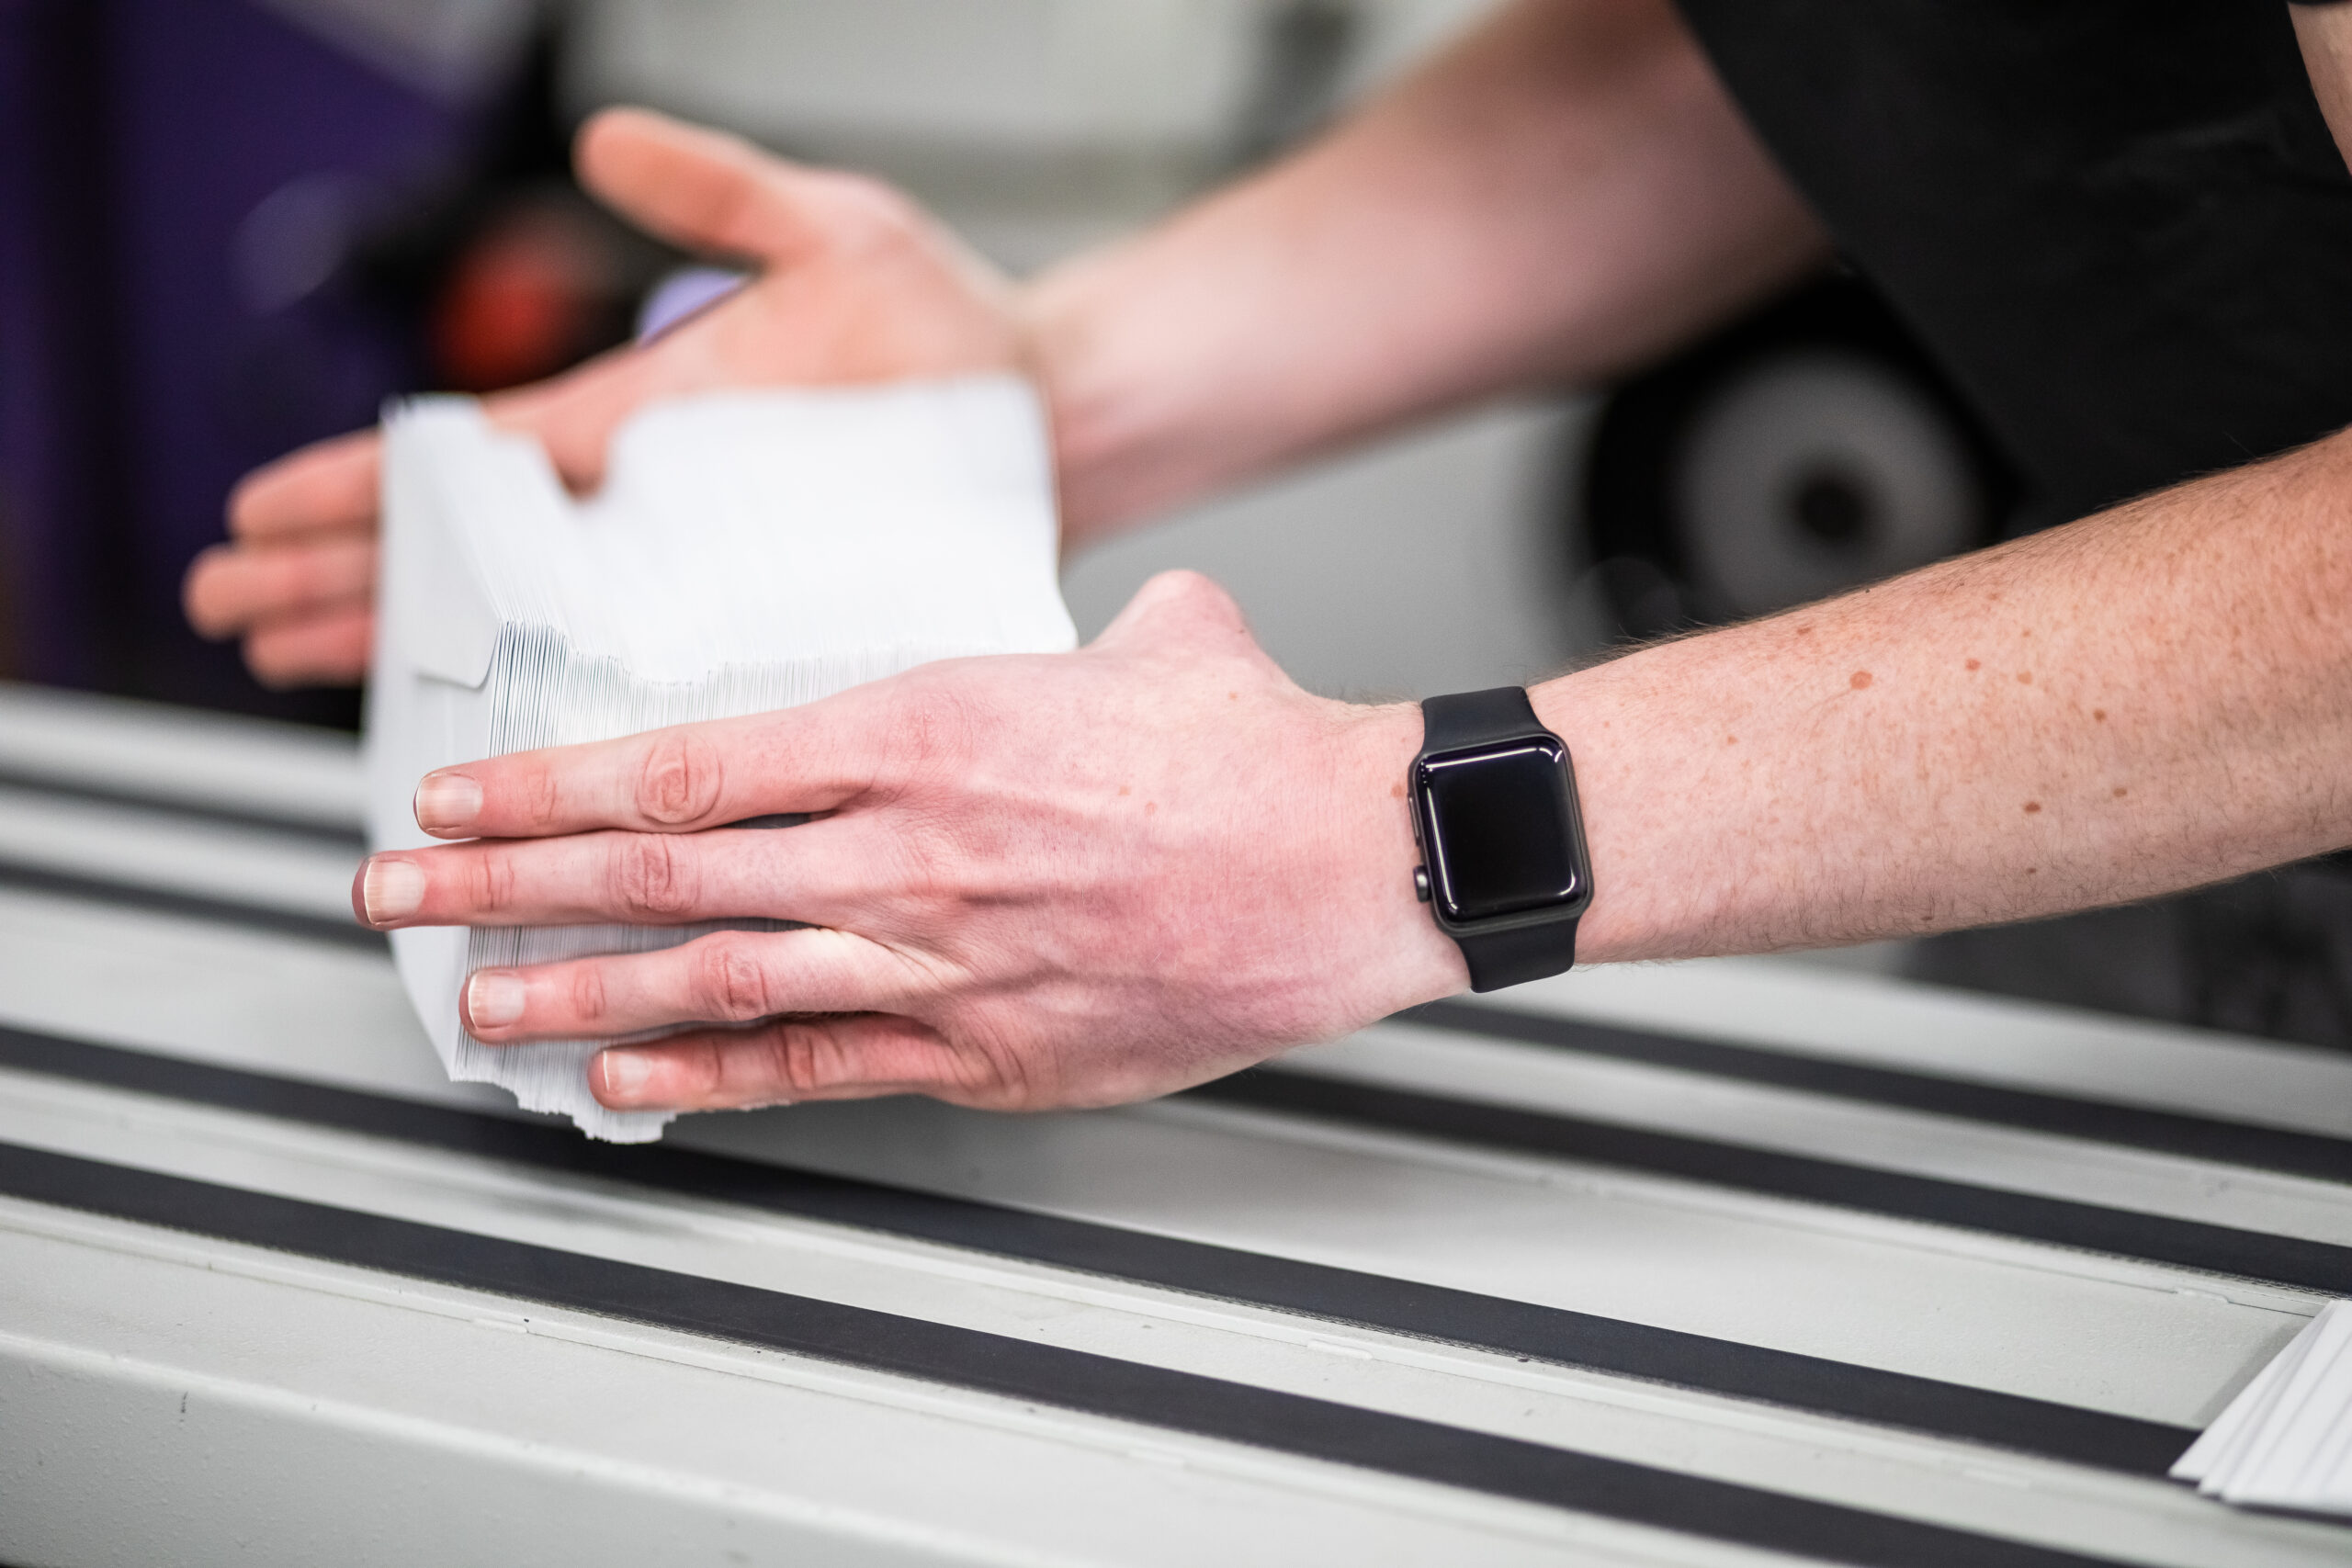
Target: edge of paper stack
point(2286, 1441)
point(749, 550)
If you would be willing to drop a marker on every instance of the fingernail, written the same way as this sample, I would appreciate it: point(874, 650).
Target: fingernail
point(621, 1074)
point(494, 999)
point(447, 800)
point(389, 889)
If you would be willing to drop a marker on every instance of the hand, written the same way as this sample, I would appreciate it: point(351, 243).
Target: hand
point(1035, 881)
point(853, 285)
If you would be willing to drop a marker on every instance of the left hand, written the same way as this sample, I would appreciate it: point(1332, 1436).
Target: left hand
point(1034, 881)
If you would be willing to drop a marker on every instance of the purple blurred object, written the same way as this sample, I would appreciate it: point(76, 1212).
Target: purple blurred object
point(178, 179)
point(684, 292)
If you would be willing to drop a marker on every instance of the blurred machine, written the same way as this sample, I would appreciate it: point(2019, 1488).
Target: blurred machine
point(1808, 448)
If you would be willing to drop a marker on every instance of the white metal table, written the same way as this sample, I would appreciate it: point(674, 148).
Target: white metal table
point(1696, 1264)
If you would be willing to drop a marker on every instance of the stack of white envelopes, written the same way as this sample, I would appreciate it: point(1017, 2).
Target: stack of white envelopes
point(748, 551)
point(2286, 1441)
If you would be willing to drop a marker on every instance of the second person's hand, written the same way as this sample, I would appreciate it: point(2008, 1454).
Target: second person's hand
point(852, 284)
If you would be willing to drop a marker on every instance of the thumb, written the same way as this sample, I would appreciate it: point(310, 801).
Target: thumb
point(702, 190)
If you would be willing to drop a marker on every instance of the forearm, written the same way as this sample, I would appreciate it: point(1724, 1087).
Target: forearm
point(1565, 194)
point(2147, 700)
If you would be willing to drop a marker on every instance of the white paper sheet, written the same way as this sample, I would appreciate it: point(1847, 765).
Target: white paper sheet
point(749, 551)
point(2286, 1441)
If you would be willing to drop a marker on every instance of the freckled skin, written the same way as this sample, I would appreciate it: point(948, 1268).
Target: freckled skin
point(1847, 821)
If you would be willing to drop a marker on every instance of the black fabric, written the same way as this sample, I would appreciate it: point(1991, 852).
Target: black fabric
point(2124, 229)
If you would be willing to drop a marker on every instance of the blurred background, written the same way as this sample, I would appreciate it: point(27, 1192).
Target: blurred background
point(228, 227)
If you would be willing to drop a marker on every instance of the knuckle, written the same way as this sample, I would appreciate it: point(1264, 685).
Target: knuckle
point(986, 1073)
point(587, 995)
point(489, 882)
point(935, 726)
point(699, 1071)
point(731, 983)
point(680, 780)
point(650, 878)
point(535, 791)
point(803, 1058)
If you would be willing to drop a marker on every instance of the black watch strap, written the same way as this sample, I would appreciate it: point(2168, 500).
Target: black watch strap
point(1531, 953)
point(1528, 953)
point(1473, 718)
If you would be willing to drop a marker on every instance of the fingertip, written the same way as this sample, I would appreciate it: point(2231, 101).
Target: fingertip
point(447, 802)
point(388, 890)
point(328, 484)
point(322, 650)
point(621, 1078)
point(493, 1001)
point(614, 128)
point(200, 590)
point(618, 149)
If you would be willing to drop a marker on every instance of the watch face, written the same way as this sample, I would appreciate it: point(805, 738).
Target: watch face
point(1498, 823)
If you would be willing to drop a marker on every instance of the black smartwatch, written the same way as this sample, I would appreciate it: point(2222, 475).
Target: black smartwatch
point(1503, 862)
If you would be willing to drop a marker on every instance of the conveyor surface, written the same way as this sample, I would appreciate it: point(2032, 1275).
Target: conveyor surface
point(1704, 1263)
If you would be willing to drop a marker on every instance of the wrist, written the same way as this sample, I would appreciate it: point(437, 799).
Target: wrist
point(1065, 318)
point(1626, 766)
point(1415, 961)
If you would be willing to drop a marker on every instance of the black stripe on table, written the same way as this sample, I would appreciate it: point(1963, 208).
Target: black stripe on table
point(1014, 1368)
point(1815, 1384)
point(2157, 1238)
point(202, 907)
point(2039, 1111)
point(340, 835)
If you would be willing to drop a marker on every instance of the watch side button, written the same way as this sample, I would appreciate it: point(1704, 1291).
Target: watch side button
point(1421, 883)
